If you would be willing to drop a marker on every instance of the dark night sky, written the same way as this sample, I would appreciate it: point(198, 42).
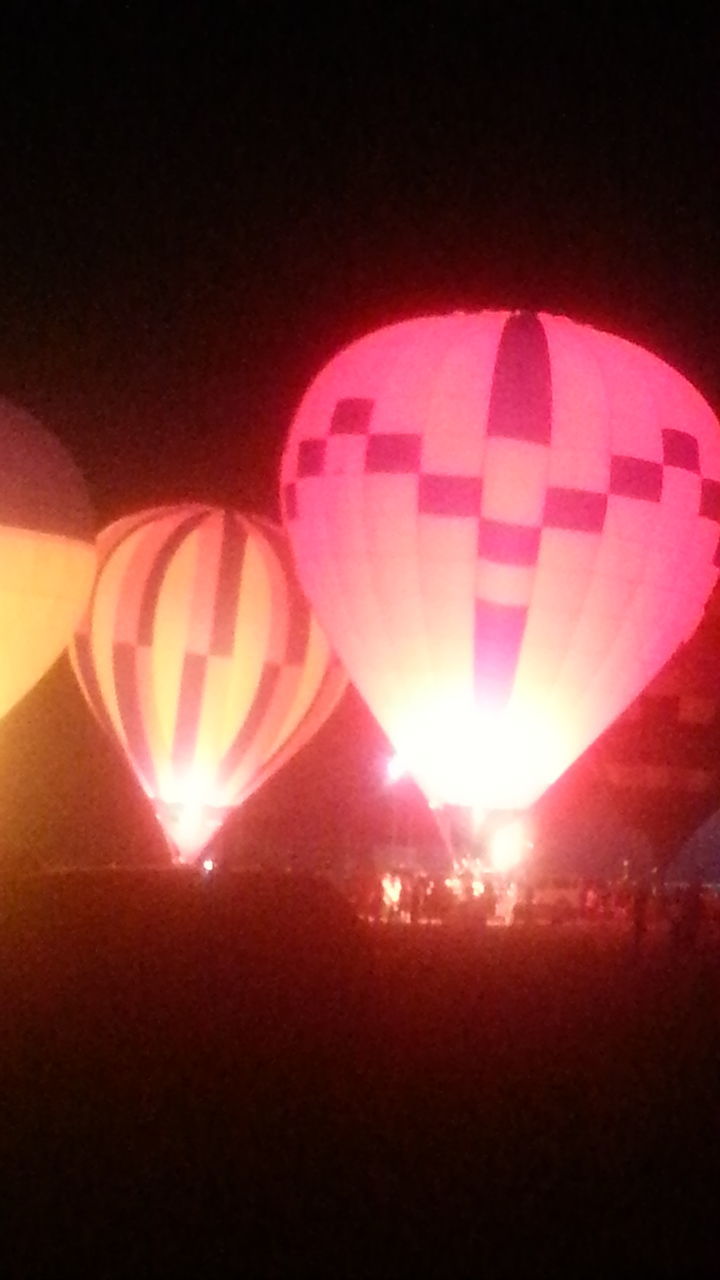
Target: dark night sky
point(197, 211)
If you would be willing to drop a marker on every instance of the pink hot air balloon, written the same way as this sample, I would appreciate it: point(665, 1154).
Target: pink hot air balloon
point(506, 523)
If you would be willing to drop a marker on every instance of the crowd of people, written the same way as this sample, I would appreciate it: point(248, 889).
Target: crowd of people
point(641, 905)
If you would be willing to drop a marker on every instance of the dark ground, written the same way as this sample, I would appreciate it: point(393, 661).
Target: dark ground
point(195, 1081)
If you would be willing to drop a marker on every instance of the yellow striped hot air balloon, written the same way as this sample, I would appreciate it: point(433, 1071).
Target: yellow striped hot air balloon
point(47, 551)
point(200, 654)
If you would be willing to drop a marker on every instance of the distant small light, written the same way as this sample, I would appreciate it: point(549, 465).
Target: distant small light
point(208, 865)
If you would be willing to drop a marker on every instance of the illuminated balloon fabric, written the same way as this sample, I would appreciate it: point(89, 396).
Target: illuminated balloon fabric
point(661, 759)
point(199, 652)
point(506, 523)
point(47, 551)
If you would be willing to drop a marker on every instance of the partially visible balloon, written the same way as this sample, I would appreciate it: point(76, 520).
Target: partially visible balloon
point(660, 760)
point(200, 654)
point(47, 551)
point(506, 523)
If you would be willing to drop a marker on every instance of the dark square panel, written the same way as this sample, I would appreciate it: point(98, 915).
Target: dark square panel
point(636, 478)
point(449, 495)
point(710, 499)
point(351, 417)
point(680, 449)
point(311, 457)
point(393, 454)
point(575, 509)
point(508, 543)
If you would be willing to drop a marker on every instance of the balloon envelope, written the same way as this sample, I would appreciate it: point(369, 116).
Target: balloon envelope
point(200, 654)
point(506, 523)
point(47, 551)
point(660, 760)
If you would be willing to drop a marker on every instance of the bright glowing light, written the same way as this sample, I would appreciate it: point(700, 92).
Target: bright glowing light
point(190, 827)
point(395, 769)
point(485, 760)
point(509, 845)
point(189, 808)
point(391, 887)
point(208, 865)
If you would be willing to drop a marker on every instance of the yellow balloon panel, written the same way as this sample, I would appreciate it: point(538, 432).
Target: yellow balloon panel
point(45, 580)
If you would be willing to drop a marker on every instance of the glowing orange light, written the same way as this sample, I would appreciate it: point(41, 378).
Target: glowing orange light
point(190, 829)
point(392, 888)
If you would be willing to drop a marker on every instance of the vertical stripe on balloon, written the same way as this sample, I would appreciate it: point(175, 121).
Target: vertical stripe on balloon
point(521, 393)
point(498, 638)
point(156, 576)
point(242, 742)
point(227, 593)
point(298, 616)
point(520, 409)
point(82, 655)
point(189, 708)
point(125, 679)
